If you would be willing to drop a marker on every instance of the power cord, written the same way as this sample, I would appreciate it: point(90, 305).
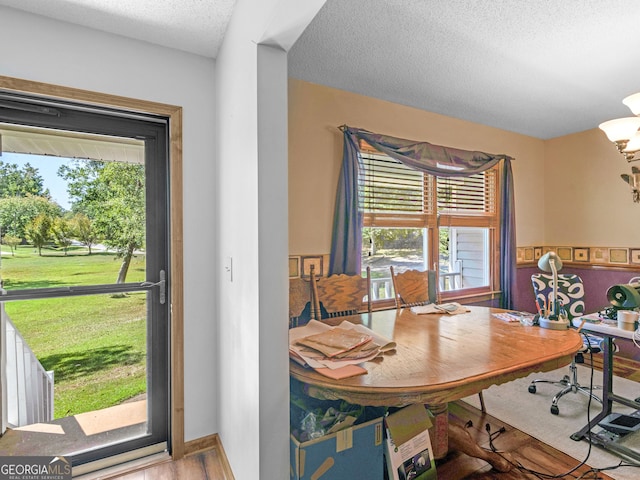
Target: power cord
point(493, 436)
point(569, 473)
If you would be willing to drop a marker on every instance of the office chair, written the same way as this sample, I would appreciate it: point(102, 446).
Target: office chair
point(570, 291)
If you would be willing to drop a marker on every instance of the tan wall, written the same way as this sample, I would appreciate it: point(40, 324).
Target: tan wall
point(588, 204)
point(315, 155)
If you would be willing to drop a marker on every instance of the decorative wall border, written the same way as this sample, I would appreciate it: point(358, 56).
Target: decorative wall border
point(614, 256)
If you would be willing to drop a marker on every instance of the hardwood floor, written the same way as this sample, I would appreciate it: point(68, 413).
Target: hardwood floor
point(206, 465)
point(525, 450)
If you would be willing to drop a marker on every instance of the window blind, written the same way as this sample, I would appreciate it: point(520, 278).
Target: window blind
point(390, 187)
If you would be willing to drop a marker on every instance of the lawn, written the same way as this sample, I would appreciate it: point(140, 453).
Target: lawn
point(96, 345)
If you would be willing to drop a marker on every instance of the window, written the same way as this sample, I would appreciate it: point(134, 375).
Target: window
point(415, 220)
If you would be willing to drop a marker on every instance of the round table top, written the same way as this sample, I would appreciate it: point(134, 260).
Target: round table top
point(441, 357)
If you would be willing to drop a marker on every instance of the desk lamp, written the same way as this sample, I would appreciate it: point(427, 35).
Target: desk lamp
point(550, 262)
point(624, 297)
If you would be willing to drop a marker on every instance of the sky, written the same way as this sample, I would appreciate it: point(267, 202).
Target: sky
point(48, 169)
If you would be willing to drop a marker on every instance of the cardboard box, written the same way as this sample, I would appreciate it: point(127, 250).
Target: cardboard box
point(408, 451)
point(355, 453)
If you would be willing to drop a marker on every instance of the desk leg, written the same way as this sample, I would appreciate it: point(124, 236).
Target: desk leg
point(460, 439)
point(607, 390)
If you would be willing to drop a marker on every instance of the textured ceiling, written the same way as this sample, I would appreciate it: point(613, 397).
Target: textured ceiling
point(543, 68)
point(195, 26)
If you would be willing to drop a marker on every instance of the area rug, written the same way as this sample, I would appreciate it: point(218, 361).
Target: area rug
point(513, 404)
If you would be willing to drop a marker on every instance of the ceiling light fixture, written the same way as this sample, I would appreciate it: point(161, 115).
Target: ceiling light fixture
point(624, 131)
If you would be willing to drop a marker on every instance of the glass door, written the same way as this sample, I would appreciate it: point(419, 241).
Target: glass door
point(85, 269)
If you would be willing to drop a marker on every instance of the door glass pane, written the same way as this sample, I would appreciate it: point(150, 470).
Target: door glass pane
point(404, 248)
point(67, 222)
point(76, 367)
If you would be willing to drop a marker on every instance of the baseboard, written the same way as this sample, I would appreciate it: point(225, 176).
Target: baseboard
point(210, 442)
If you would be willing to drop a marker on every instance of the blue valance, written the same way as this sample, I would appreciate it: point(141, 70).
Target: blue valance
point(346, 246)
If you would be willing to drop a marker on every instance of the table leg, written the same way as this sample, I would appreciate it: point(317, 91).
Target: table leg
point(447, 436)
point(460, 439)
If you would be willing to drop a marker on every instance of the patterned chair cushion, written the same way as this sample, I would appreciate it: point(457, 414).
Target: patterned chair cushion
point(570, 292)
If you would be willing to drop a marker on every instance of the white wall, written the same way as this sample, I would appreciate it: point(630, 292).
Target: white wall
point(44, 50)
point(251, 94)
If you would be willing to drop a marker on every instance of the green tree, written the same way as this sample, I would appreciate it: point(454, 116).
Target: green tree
point(83, 230)
point(20, 182)
point(17, 212)
point(38, 231)
point(62, 232)
point(12, 242)
point(112, 195)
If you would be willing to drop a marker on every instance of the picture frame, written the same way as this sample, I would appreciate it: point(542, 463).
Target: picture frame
point(634, 255)
point(581, 254)
point(519, 254)
point(537, 253)
point(294, 267)
point(599, 255)
point(565, 253)
point(528, 254)
point(618, 255)
point(316, 261)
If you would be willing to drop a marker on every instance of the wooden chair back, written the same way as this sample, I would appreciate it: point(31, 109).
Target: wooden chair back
point(414, 287)
point(299, 297)
point(341, 294)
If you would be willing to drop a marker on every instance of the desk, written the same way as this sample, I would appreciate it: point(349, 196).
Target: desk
point(609, 333)
point(441, 358)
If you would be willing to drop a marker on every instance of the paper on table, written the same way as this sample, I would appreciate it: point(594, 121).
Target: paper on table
point(452, 308)
point(343, 372)
point(304, 357)
point(385, 343)
point(336, 341)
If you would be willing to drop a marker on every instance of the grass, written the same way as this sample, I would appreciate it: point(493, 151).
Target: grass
point(96, 345)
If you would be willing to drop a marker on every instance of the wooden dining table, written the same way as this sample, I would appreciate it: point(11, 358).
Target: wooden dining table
point(440, 358)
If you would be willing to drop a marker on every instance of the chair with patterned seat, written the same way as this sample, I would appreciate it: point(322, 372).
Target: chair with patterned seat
point(340, 295)
point(570, 292)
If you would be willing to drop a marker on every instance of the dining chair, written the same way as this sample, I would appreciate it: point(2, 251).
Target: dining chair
point(340, 295)
point(570, 290)
point(414, 287)
point(299, 299)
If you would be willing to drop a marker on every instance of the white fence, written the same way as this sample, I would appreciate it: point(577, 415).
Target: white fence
point(381, 288)
point(29, 388)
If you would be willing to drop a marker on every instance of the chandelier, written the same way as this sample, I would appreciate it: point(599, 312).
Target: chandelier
point(624, 131)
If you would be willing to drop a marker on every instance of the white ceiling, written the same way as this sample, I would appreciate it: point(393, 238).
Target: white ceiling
point(544, 68)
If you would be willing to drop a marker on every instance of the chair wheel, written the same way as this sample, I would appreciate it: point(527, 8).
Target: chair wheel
point(555, 410)
point(532, 389)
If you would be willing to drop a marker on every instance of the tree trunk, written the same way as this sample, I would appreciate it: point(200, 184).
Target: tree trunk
point(126, 261)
